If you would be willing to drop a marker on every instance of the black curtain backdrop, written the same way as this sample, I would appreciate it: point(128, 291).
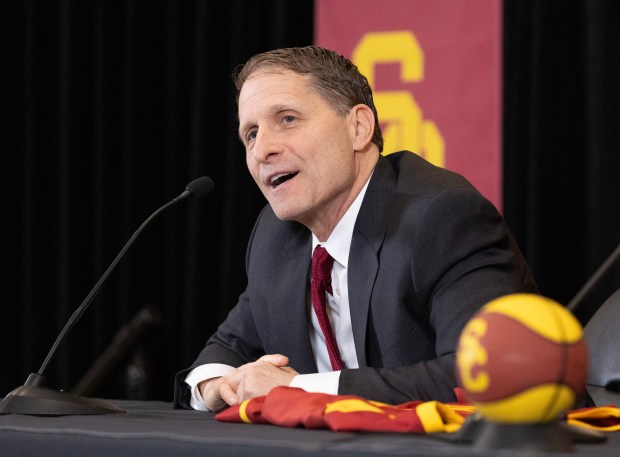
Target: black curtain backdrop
point(109, 108)
point(561, 143)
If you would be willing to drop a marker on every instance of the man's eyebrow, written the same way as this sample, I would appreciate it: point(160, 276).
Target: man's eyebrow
point(271, 111)
point(240, 132)
point(243, 128)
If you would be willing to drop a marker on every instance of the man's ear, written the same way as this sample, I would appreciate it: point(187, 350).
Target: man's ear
point(362, 126)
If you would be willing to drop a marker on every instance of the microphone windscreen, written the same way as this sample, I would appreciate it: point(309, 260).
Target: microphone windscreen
point(201, 186)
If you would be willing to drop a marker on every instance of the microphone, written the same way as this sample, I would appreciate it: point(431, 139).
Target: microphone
point(597, 277)
point(34, 398)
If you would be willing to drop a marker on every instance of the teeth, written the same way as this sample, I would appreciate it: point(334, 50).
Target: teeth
point(275, 178)
point(283, 177)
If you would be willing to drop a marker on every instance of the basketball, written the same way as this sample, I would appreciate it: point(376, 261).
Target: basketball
point(522, 359)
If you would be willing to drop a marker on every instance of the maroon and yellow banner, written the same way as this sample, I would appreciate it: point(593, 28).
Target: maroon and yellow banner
point(435, 68)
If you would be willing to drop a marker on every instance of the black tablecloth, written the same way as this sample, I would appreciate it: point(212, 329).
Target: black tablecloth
point(155, 429)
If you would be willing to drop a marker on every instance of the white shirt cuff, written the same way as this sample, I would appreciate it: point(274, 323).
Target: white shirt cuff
point(202, 373)
point(326, 382)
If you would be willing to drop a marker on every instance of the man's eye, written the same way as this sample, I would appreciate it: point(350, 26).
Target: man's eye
point(251, 135)
point(288, 119)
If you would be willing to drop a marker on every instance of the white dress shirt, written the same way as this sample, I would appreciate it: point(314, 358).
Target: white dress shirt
point(326, 381)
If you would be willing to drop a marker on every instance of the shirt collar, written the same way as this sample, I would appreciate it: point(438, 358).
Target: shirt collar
point(339, 242)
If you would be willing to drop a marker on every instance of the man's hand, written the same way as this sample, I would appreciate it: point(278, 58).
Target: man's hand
point(217, 393)
point(247, 381)
point(258, 378)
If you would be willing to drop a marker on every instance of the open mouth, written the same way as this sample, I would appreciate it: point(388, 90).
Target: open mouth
point(279, 179)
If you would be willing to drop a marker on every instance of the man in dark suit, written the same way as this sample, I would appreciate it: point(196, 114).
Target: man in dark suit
point(416, 249)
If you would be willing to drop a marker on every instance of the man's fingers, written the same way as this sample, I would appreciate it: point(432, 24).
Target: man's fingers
point(218, 393)
point(227, 393)
point(258, 378)
point(278, 360)
point(247, 381)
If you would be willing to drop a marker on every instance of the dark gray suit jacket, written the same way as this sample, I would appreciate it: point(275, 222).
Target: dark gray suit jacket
point(428, 250)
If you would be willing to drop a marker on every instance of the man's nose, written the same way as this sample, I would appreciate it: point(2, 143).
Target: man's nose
point(265, 145)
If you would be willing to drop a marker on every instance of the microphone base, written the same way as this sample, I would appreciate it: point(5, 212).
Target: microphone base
point(33, 398)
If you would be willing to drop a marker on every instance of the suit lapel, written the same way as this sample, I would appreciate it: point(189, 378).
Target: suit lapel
point(368, 235)
point(287, 302)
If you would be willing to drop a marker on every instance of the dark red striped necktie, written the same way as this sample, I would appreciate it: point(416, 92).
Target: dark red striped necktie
point(321, 284)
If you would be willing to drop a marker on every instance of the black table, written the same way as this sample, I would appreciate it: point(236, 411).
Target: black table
point(152, 428)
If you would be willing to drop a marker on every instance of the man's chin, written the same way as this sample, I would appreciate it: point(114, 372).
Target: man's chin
point(285, 213)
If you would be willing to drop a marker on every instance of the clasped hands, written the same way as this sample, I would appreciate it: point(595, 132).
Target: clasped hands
point(248, 381)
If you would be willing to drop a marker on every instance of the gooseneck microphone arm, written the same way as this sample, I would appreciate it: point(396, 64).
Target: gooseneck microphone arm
point(33, 397)
point(597, 277)
point(77, 314)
